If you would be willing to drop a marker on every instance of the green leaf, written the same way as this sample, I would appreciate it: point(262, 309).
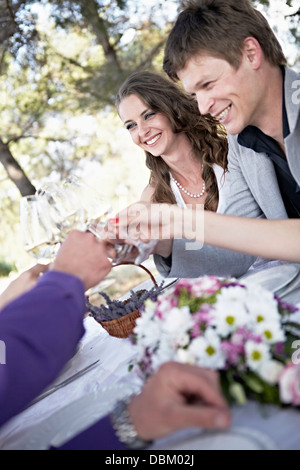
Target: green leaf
point(254, 383)
point(237, 392)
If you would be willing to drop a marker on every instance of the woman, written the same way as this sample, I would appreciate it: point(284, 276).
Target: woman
point(186, 153)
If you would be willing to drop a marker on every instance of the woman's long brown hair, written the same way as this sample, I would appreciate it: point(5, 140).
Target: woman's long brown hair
point(207, 136)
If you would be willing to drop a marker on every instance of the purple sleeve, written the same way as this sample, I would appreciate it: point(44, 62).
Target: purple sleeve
point(100, 436)
point(40, 331)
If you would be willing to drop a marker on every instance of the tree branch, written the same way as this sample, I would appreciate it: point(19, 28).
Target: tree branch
point(297, 13)
point(11, 13)
point(36, 137)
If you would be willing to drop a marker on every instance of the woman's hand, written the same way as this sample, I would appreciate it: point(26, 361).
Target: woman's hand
point(145, 221)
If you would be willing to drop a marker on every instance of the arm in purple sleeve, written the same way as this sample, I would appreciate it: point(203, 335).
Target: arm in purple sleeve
point(40, 331)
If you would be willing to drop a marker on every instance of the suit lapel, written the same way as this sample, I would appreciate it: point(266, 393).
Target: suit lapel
point(292, 142)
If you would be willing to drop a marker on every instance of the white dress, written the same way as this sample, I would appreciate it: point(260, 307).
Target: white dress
point(222, 187)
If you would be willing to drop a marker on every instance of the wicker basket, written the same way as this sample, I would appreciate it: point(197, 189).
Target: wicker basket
point(122, 327)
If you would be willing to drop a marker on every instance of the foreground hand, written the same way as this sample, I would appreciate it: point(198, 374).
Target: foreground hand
point(145, 221)
point(179, 396)
point(84, 256)
point(22, 284)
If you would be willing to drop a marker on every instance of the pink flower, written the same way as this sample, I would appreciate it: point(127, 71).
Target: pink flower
point(205, 286)
point(289, 385)
point(233, 352)
point(279, 348)
point(182, 284)
point(242, 335)
point(196, 332)
point(200, 287)
point(163, 306)
point(202, 318)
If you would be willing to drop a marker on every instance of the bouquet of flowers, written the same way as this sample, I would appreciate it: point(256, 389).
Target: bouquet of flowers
point(239, 329)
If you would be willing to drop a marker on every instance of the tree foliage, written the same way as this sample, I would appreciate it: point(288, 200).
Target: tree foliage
point(76, 64)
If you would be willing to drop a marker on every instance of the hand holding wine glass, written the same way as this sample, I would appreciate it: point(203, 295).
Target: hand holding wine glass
point(46, 218)
point(58, 209)
point(98, 212)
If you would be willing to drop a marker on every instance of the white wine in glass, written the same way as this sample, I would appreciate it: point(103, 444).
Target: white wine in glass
point(36, 232)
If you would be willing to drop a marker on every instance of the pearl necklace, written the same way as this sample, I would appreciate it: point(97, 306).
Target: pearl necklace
point(187, 192)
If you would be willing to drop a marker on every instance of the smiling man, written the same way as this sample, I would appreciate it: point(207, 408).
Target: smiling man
point(227, 56)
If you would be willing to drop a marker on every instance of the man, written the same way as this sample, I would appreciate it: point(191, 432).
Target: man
point(226, 55)
point(41, 326)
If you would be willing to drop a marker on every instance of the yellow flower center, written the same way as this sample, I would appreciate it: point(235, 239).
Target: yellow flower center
point(268, 334)
point(256, 355)
point(210, 350)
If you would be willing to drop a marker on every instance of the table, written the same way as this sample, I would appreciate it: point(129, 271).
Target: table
point(93, 394)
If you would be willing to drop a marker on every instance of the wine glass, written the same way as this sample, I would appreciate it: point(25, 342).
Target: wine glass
point(37, 230)
point(96, 208)
point(63, 208)
point(98, 213)
point(76, 205)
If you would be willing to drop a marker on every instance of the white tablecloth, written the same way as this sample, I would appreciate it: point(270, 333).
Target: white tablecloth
point(278, 429)
point(251, 429)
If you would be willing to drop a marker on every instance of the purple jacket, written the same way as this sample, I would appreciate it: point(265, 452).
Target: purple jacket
point(40, 330)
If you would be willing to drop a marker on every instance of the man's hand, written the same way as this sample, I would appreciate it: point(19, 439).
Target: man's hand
point(179, 396)
point(84, 256)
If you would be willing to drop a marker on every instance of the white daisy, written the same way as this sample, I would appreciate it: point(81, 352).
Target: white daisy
point(229, 316)
point(271, 332)
point(256, 354)
point(207, 350)
point(177, 324)
point(185, 356)
point(270, 371)
point(164, 353)
point(261, 304)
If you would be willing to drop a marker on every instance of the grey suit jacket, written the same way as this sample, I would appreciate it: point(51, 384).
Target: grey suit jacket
point(254, 192)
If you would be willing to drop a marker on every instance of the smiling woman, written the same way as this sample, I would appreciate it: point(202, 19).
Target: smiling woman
point(185, 152)
point(148, 128)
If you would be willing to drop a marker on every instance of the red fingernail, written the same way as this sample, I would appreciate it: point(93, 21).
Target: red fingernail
point(113, 221)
